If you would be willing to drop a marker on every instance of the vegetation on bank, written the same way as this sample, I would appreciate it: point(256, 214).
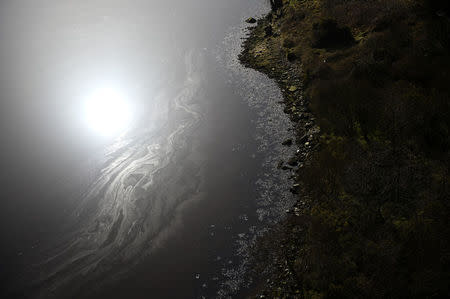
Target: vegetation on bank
point(373, 218)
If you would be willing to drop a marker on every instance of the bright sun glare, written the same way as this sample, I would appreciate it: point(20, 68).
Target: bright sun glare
point(107, 112)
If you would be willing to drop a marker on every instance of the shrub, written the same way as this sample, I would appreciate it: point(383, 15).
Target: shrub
point(327, 34)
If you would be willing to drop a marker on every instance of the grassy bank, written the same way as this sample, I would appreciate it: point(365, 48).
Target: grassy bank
point(367, 84)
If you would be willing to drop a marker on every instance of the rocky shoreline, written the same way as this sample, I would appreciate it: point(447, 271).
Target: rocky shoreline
point(274, 254)
point(288, 78)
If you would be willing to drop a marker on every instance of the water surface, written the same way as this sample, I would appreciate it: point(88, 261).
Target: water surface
point(169, 208)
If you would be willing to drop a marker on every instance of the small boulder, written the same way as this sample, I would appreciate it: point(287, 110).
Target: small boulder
point(251, 20)
point(292, 162)
point(287, 142)
point(293, 88)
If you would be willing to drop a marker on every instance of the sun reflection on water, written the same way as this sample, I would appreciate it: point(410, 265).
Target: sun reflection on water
point(107, 112)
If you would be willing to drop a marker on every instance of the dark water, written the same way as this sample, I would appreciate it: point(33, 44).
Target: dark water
point(167, 210)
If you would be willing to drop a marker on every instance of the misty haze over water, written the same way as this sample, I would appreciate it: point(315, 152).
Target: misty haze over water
point(166, 207)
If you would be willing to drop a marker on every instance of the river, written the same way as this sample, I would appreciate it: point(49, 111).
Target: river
point(167, 210)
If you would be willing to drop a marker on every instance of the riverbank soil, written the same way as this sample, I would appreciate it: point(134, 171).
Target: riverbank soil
point(367, 85)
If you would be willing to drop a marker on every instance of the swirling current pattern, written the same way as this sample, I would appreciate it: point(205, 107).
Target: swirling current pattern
point(120, 216)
